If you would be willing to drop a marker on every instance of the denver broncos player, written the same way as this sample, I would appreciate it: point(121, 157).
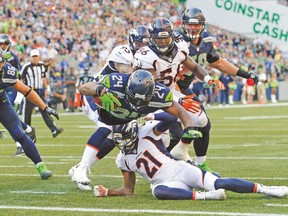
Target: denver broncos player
point(171, 179)
point(163, 58)
point(125, 97)
point(200, 45)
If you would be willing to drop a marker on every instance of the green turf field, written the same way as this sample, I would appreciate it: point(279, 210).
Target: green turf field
point(247, 142)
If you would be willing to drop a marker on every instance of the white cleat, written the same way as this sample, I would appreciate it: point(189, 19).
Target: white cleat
point(276, 191)
point(79, 173)
point(210, 195)
point(83, 187)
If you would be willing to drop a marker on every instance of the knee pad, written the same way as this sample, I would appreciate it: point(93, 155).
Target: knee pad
point(205, 129)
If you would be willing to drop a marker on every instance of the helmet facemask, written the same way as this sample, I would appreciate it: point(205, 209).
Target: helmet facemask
point(125, 136)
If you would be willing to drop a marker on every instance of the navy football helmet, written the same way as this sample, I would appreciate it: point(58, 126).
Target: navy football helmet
point(125, 135)
point(2, 58)
point(161, 35)
point(193, 22)
point(6, 41)
point(140, 89)
point(138, 37)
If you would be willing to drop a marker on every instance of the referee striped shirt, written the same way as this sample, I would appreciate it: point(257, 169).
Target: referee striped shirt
point(32, 75)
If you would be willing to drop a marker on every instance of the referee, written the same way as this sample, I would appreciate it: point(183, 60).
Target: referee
point(33, 75)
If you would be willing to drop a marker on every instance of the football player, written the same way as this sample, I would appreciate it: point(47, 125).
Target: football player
point(9, 118)
point(120, 60)
point(163, 57)
point(170, 179)
point(122, 98)
point(12, 59)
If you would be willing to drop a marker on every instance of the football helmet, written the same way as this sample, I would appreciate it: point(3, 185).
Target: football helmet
point(161, 35)
point(138, 37)
point(140, 89)
point(2, 58)
point(5, 40)
point(193, 22)
point(125, 135)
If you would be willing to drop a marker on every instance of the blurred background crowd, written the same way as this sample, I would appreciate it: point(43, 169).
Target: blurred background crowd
point(79, 35)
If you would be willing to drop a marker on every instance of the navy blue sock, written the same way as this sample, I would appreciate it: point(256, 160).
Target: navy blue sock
point(235, 185)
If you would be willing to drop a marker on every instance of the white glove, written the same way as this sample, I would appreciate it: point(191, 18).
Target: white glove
point(100, 191)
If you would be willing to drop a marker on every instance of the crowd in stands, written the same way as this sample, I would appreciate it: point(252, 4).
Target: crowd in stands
point(80, 34)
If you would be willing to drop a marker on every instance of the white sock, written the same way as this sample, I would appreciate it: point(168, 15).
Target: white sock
point(180, 151)
point(18, 144)
point(28, 129)
point(89, 156)
point(200, 160)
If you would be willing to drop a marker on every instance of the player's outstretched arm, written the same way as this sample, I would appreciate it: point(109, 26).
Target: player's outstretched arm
point(126, 190)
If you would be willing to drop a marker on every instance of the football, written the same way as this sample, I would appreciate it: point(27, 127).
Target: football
point(98, 102)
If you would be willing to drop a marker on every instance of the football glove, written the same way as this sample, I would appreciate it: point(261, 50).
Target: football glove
point(191, 133)
point(109, 100)
point(253, 75)
point(100, 191)
point(189, 104)
point(216, 84)
point(49, 111)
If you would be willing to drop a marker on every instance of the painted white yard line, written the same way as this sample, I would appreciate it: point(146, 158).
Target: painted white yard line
point(277, 205)
point(256, 117)
point(154, 211)
point(36, 192)
point(120, 176)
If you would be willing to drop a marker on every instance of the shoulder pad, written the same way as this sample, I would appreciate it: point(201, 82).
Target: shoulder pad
point(121, 54)
point(207, 36)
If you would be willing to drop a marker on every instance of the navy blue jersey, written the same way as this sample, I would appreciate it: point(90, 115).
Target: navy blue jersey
point(117, 83)
point(202, 52)
point(13, 60)
point(8, 77)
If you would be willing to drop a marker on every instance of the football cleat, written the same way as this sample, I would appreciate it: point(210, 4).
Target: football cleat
point(83, 187)
point(100, 191)
point(32, 134)
point(276, 191)
point(19, 151)
point(79, 172)
point(209, 195)
point(43, 171)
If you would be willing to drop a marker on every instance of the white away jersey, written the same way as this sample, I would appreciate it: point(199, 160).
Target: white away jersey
point(166, 68)
point(121, 54)
point(150, 158)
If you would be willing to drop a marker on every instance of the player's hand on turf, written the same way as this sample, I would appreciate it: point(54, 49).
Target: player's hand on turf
point(49, 111)
point(216, 84)
point(100, 191)
point(191, 133)
point(189, 104)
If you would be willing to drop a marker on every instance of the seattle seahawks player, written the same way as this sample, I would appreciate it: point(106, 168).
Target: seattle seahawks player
point(171, 179)
point(12, 59)
point(163, 58)
point(201, 49)
point(125, 97)
point(120, 60)
point(9, 118)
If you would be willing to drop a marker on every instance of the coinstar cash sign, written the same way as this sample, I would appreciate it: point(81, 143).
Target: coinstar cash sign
point(264, 19)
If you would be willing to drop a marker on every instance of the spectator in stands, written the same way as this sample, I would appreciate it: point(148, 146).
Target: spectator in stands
point(70, 82)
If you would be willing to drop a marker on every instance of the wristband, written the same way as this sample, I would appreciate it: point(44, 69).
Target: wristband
point(243, 74)
point(207, 78)
point(99, 90)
